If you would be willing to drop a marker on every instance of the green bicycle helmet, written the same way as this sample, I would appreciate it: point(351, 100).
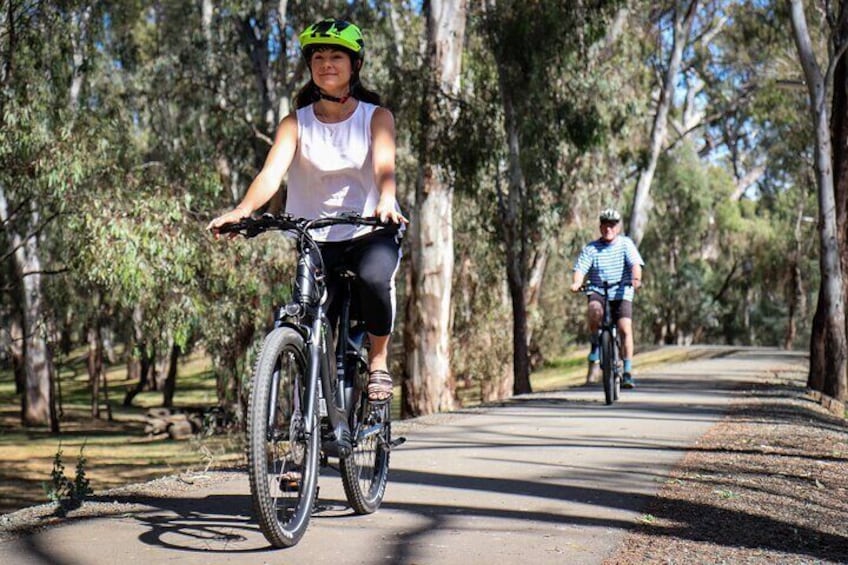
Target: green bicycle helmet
point(333, 32)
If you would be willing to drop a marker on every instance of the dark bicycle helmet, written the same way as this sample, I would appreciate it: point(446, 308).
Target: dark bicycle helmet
point(610, 215)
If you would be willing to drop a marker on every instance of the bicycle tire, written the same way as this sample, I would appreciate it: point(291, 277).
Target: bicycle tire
point(607, 368)
point(365, 472)
point(282, 458)
point(619, 369)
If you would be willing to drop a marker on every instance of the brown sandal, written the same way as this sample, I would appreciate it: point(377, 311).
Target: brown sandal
point(380, 386)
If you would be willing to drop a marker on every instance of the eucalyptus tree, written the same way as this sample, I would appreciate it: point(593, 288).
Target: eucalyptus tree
point(746, 123)
point(548, 115)
point(682, 14)
point(828, 349)
point(428, 383)
point(699, 294)
point(42, 164)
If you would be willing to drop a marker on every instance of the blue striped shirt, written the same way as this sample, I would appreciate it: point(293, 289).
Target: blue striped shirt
point(612, 262)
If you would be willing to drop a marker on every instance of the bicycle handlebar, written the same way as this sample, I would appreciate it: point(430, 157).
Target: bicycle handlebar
point(587, 285)
point(251, 227)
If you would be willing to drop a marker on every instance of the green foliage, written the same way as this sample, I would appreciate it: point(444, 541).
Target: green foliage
point(173, 119)
point(481, 339)
point(540, 51)
point(66, 493)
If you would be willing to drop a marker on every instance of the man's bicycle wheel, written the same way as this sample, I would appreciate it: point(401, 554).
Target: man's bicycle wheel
point(608, 366)
point(283, 447)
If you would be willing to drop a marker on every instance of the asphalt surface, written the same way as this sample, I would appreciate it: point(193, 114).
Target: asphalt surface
point(544, 478)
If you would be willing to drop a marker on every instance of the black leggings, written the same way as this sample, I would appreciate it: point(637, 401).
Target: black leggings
point(375, 259)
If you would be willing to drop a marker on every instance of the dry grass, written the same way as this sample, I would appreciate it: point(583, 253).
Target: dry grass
point(118, 452)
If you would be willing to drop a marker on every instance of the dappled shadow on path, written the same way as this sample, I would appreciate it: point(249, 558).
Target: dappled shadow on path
point(36, 554)
point(221, 523)
point(738, 529)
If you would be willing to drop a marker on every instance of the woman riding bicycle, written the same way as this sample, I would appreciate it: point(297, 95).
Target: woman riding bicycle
point(338, 148)
point(615, 259)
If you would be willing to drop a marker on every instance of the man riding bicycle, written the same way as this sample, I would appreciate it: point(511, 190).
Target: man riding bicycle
point(612, 258)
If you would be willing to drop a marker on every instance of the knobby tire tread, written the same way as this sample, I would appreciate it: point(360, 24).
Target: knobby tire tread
point(366, 495)
point(607, 368)
point(278, 342)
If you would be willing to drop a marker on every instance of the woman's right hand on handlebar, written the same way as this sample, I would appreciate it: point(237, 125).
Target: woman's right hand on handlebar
point(230, 217)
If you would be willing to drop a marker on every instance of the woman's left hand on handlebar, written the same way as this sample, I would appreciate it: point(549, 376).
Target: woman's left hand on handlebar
point(387, 211)
point(230, 217)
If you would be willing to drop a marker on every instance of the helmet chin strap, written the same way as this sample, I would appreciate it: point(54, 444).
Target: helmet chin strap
point(341, 100)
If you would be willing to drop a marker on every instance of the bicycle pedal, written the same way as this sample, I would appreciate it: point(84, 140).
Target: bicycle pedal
point(290, 481)
point(397, 442)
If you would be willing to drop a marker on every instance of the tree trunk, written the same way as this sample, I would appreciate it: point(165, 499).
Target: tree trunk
point(95, 366)
point(684, 14)
point(79, 36)
point(255, 32)
point(520, 349)
point(428, 384)
point(510, 207)
point(35, 401)
point(170, 385)
point(16, 352)
point(532, 295)
point(144, 364)
point(839, 144)
point(797, 299)
point(829, 357)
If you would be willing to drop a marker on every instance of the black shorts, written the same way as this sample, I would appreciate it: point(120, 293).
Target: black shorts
point(620, 308)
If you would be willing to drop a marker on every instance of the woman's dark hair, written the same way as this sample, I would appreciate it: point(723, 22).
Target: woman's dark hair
point(309, 93)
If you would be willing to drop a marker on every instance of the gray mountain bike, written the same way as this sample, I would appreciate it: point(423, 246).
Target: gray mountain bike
point(308, 401)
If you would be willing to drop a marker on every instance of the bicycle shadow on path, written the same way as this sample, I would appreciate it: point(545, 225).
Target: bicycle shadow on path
point(220, 524)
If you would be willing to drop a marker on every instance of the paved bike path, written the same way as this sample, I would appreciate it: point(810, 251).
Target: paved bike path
point(546, 478)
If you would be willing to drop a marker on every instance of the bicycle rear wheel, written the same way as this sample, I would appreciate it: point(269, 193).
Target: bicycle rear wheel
point(365, 472)
point(608, 366)
point(282, 456)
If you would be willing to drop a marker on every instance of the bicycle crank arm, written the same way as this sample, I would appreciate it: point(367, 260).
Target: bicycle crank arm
point(368, 432)
point(397, 442)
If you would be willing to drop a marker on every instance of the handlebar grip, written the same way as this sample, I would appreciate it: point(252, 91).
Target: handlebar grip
point(234, 227)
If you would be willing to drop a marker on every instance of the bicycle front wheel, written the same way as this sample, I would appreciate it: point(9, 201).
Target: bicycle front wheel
point(283, 447)
point(608, 366)
point(365, 472)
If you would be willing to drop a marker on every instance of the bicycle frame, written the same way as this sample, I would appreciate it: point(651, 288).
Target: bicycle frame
point(294, 425)
point(329, 372)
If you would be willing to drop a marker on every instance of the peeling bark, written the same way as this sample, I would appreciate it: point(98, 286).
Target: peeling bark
point(428, 384)
point(828, 347)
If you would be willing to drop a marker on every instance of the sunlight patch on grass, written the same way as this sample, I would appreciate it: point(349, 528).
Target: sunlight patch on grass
point(118, 452)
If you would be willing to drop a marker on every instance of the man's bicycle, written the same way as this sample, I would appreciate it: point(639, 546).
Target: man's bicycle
point(610, 350)
point(309, 397)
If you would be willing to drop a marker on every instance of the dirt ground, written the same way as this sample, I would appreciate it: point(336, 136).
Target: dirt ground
point(768, 484)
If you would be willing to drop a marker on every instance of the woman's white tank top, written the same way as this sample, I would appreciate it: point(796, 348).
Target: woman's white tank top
point(332, 171)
